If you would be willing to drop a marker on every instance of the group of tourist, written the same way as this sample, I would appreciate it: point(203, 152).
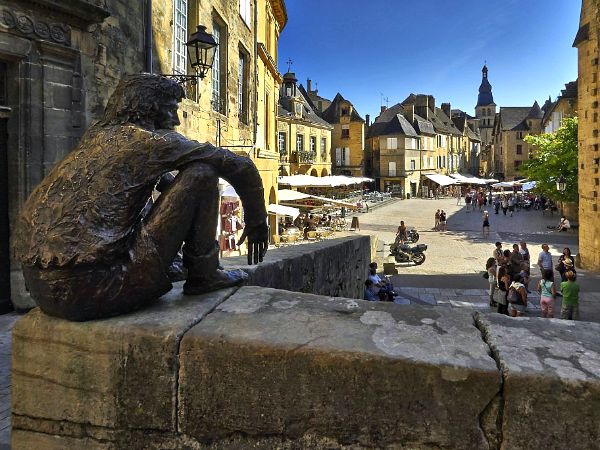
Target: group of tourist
point(377, 288)
point(508, 274)
point(440, 221)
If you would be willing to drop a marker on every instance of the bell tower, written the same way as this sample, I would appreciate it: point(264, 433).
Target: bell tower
point(485, 110)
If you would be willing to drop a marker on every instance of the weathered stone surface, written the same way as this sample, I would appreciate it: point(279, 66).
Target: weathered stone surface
point(276, 363)
point(551, 371)
point(118, 373)
point(335, 267)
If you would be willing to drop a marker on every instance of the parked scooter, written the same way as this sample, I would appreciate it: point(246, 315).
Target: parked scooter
point(405, 253)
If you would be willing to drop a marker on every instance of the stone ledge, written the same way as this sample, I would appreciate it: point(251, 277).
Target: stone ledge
point(551, 372)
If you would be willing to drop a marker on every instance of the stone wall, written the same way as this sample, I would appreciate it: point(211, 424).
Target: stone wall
point(335, 267)
point(264, 368)
point(589, 138)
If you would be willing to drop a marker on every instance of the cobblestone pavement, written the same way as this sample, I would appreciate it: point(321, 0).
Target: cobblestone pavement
point(6, 323)
point(451, 274)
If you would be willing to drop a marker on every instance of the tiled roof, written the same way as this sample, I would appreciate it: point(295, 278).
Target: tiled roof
point(512, 118)
point(583, 34)
point(392, 121)
point(423, 126)
point(333, 112)
point(535, 112)
point(442, 123)
point(308, 114)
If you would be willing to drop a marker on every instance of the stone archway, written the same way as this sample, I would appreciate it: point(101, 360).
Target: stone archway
point(324, 173)
point(314, 173)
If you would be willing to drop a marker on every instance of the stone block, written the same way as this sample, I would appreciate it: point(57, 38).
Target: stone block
point(117, 373)
point(551, 371)
point(291, 365)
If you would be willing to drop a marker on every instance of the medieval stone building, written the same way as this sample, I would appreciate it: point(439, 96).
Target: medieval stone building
point(587, 43)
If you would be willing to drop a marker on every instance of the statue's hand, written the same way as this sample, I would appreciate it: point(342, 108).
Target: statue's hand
point(258, 241)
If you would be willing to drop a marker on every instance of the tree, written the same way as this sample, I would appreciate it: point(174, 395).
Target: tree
point(555, 156)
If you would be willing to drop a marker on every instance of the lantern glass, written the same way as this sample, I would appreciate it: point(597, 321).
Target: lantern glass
point(201, 51)
point(561, 184)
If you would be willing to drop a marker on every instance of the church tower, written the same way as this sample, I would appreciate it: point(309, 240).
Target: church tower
point(485, 109)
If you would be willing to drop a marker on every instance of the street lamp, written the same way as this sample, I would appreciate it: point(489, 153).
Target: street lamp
point(201, 50)
point(561, 184)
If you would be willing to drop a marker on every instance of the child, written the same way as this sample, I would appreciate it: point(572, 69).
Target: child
point(570, 301)
point(547, 294)
point(486, 223)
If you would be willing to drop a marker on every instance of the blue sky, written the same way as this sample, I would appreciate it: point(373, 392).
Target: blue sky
point(363, 49)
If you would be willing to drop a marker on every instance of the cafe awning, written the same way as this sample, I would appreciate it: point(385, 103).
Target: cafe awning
point(442, 180)
point(328, 181)
point(293, 197)
point(283, 210)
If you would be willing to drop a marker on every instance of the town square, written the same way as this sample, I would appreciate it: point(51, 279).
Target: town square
point(275, 224)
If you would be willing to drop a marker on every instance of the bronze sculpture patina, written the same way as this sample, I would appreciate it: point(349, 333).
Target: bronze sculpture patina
point(88, 245)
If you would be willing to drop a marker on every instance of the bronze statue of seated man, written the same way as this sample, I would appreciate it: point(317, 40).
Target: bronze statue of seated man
point(88, 245)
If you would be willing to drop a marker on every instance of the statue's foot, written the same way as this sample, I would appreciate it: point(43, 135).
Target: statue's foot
point(219, 280)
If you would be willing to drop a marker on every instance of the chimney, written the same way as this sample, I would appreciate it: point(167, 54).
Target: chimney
point(431, 101)
point(367, 120)
point(383, 108)
point(308, 85)
point(409, 112)
point(421, 102)
point(446, 108)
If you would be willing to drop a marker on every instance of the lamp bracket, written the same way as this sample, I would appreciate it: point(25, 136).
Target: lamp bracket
point(184, 78)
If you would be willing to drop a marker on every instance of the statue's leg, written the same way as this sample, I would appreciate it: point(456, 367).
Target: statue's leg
point(188, 211)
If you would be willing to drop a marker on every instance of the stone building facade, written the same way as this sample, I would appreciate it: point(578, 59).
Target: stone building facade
point(587, 43)
point(564, 106)
point(347, 138)
point(304, 138)
point(511, 126)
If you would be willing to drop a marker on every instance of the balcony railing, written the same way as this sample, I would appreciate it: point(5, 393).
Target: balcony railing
point(303, 157)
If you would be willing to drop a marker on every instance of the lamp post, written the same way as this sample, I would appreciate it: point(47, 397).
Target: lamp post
point(201, 49)
point(561, 184)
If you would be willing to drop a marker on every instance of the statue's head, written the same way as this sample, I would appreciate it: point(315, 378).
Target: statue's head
point(145, 99)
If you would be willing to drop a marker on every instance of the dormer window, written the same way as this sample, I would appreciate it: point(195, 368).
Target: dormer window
point(289, 90)
point(345, 111)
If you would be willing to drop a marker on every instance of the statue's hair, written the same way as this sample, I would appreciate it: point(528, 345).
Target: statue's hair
point(133, 99)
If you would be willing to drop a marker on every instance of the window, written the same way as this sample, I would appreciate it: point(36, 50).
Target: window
point(345, 131)
point(218, 69)
point(413, 164)
point(282, 143)
point(519, 135)
point(392, 143)
point(431, 162)
point(243, 87)
point(180, 36)
point(313, 144)
point(519, 149)
point(267, 122)
point(392, 168)
point(298, 109)
point(518, 164)
point(342, 156)
point(323, 149)
point(410, 144)
point(345, 111)
point(245, 11)
point(443, 161)
point(299, 142)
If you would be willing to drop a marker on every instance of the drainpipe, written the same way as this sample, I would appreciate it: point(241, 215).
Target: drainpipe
point(255, 125)
point(148, 37)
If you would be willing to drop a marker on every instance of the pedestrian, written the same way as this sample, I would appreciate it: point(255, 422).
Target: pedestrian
point(436, 227)
point(525, 252)
point(371, 293)
point(492, 269)
point(565, 264)
point(517, 299)
point(468, 201)
point(515, 262)
point(545, 260)
point(503, 283)
point(474, 200)
point(490, 198)
point(511, 205)
point(498, 254)
point(442, 221)
point(480, 201)
point(458, 196)
point(504, 205)
point(496, 204)
point(486, 224)
point(570, 302)
point(506, 254)
point(547, 294)
point(401, 235)
point(524, 276)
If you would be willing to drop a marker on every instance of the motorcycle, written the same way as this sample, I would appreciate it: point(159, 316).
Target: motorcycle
point(412, 236)
point(405, 253)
